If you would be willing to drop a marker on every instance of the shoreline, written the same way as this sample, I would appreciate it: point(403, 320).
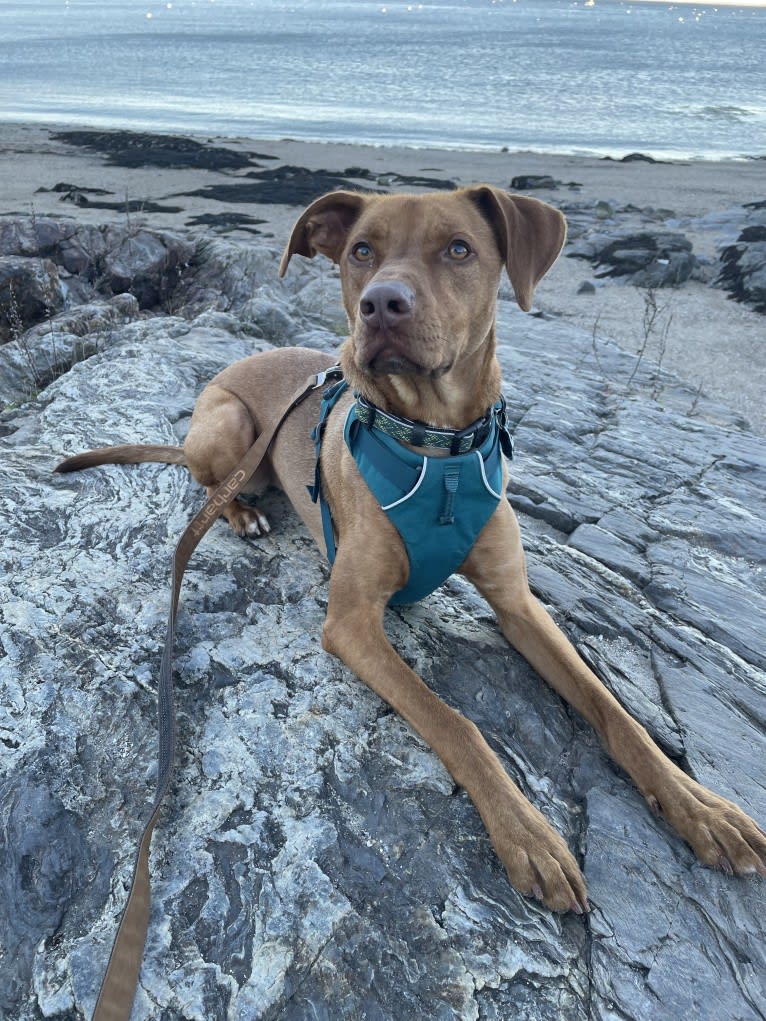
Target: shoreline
point(233, 137)
point(711, 342)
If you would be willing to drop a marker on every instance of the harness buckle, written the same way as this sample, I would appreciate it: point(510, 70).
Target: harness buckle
point(506, 438)
point(322, 377)
point(471, 436)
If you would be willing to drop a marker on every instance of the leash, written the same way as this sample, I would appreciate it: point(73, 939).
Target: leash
point(118, 989)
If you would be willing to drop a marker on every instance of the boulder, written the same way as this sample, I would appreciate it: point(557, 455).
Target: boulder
point(645, 259)
point(148, 264)
point(30, 291)
point(526, 182)
point(743, 263)
point(34, 359)
point(314, 858)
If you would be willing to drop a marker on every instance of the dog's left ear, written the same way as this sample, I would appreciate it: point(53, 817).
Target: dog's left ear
point(530, 234)
point(323, 227)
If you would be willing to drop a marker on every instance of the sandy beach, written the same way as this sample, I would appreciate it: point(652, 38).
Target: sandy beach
point(709, 340)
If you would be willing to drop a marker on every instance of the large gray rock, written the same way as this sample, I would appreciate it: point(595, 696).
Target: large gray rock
point(43, 353)
point(315, 859)
point(656, 259)
point(149, 264)
point(743, 260)
point(30, 291)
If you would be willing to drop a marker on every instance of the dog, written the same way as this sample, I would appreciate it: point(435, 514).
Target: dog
point(420, 277)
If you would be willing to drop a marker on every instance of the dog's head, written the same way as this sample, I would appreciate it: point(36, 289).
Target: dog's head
point(420, 274)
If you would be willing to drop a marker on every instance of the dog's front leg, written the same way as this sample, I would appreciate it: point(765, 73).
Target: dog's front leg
point(536, 858)
point(720, 833)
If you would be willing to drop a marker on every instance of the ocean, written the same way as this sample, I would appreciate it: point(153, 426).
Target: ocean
point(604, 77)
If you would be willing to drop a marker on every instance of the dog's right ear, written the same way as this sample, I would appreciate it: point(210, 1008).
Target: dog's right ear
point(530, 235)
point(323, 227)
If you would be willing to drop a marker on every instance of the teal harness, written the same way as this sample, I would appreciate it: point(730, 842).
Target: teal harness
point(438, 505)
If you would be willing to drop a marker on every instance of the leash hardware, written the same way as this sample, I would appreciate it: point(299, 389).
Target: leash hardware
point(334, 372)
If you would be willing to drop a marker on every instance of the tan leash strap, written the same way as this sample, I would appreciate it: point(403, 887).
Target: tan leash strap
point(118, 989)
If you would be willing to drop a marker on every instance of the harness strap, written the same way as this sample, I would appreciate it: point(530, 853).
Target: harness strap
point(397, 472)
point(118, 988)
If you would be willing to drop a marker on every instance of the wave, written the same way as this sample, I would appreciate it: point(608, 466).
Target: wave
point(728, 113)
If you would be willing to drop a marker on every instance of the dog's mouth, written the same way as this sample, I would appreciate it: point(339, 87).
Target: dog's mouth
point(381, 355)
point(388, 364)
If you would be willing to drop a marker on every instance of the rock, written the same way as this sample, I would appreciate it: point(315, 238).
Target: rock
point(75, 249)
point(225, 274)
point(125, 206)
point(36, 236)
point(30, 291)
point(389, 178)
point(146, 263)
point(525, 182)
point(224, 222)
point(743, 263)
point(37, 357)
point(604, 210)
point(314, 858)
point(586, 287)
point(633, 157)
point(646, 259)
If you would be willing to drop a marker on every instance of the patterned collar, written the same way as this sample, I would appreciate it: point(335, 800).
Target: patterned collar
point(419, 434)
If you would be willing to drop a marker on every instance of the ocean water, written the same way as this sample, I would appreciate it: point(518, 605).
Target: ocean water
point(577, 76)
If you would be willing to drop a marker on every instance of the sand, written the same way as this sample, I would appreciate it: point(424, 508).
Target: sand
point(710, 341)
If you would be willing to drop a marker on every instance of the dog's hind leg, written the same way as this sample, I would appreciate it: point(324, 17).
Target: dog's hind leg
point(221, 432)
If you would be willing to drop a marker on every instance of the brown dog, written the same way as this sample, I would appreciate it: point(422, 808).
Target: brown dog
point(420, 277)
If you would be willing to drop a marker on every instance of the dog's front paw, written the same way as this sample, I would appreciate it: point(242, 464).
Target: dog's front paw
point(718, 831)
point(536, 858)
point(246, 520)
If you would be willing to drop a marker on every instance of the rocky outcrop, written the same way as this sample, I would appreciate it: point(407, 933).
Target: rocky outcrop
point(743, 261)
point(656, 259)
point(314, 859)
point(69, 285)
point(75, 262)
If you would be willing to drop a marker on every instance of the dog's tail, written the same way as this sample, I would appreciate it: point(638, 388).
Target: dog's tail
point(136, 453)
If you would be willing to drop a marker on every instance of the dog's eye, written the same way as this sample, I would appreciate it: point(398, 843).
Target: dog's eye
point(459, 249)
point(362, 251)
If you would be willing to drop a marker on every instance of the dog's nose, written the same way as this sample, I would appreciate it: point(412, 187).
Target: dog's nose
point(386, 304)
